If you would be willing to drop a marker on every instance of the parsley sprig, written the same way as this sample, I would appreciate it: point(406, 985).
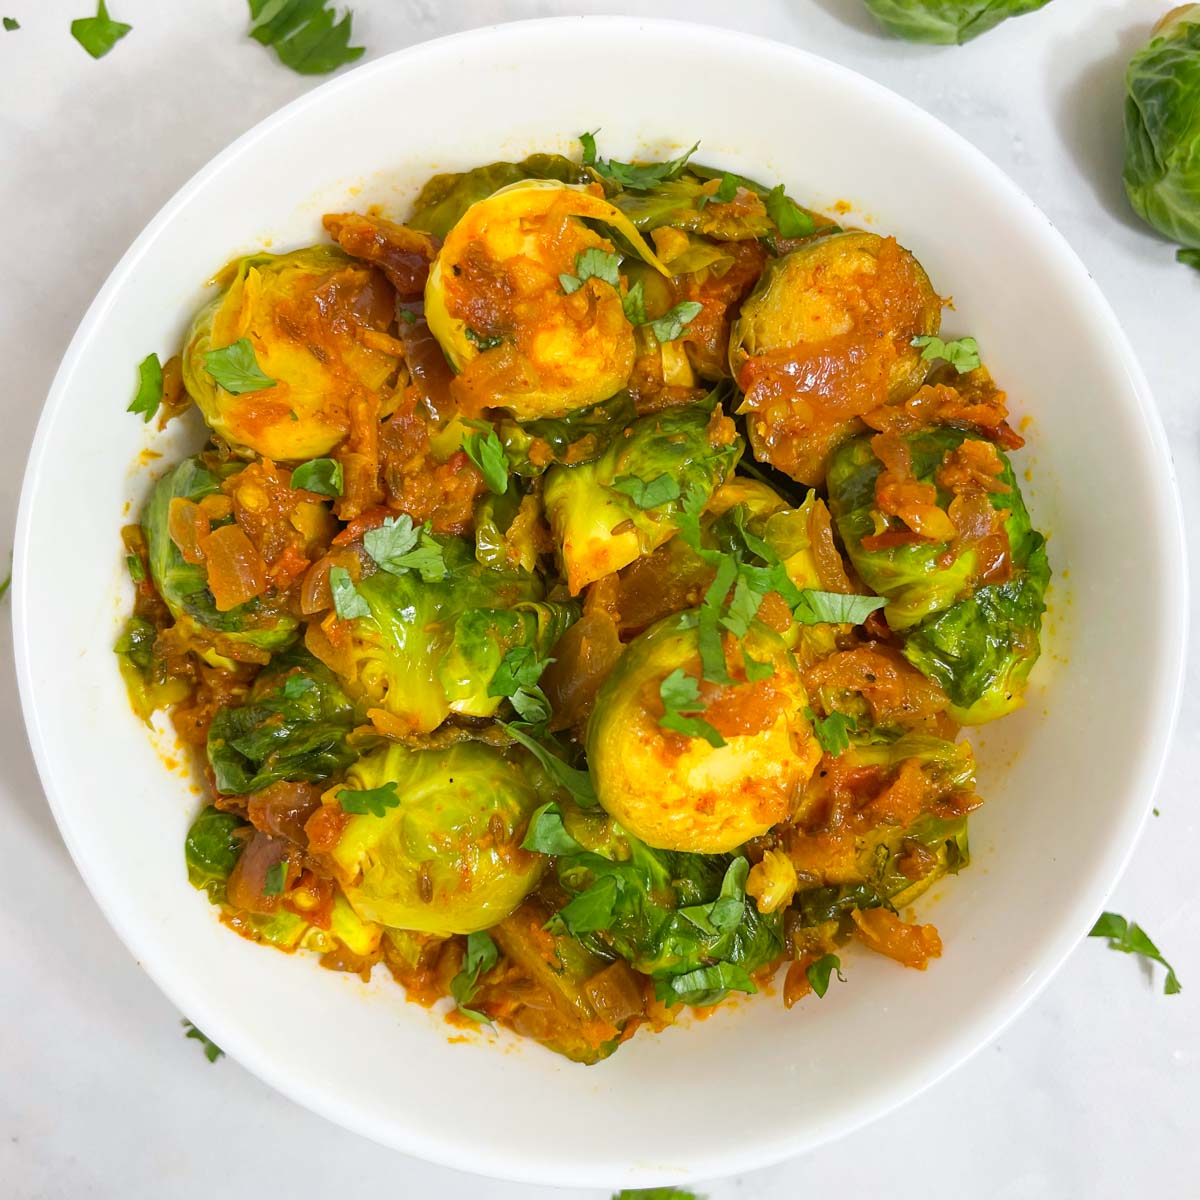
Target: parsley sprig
point(398, 546)
point(1130, 938)
point(211, 1050)
point(636, 177)
point(961, 353)
point(482, 955)
point(305, 34)
point(680, 695)
point(150, 388)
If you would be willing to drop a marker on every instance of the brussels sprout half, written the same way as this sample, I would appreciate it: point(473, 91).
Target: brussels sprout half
point(824, 337)
point(497, 305)
point(681, 793)
point(304, 314)
point(184, 586)
point(946, 22)
point(593, 512)
point(447, 859)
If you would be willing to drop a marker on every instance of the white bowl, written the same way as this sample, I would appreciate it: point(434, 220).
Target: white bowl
point(1069, 780)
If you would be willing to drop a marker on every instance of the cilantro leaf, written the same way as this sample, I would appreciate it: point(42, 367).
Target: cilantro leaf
point(708, 631)
point(547, 834)
point(577, 783)
point(296, 686)
point(320, 475)
point(211, 1050)
point(304, 34)
point(672, 323)
point(819, 972)
point(482, 341)
point(1130, 938)
point(276, 879)
point(397, 546)
point(833, 731)
point(519, 668)
point(236, 369)
point(961, 353)
point(482, 955)
point(833, 608)
point(680, 695)
point(487, 453)
point(705, 985)
point(756, 670)
point(647, 494)
point(98, 34)
point(532, 707)
point(592, 263)
point(11, 23)
point(743, 608)
point(634, 304)
point(787, 216)
point(588, 142)
point(375, 801)
point(636, 177)
point(727, 190)
point(347, 603)
point(150, 388)
point(658, 1193)
point(1189, 258)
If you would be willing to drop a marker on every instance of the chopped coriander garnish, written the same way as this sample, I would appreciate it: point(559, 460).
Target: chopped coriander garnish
point(833, 608)
point(305, 34)
point(727, 190)
point(961, 353)
point(373, 801)
point(680, 695)
point(487, 453)
point(1189, 257)
point(672, 323)
point(236, 369)
point(1130, 938)
point(482, 955)
point(578, 783)
point(519, 668)
point(658, 1193)
point(397, 546)
point(276, 879)
point(150, 388)
point(634, 304)
point(647, 493)
point(634, 176)
point(482, 341)
point(98, 34)
point(788, 217)
point(832, 732)
point(11, 23)
point(320, 475)
point(211, 1050)
point(819, 972)
point(592, 263)
point(296, 686)
point(347, 603)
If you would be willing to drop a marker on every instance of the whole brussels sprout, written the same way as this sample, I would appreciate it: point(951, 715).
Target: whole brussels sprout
point(304, 314)
point(260, 622)
point(447, 858)
point(825, 336)
point(979, 642)
point(606, 513)
point(681, 793)
point(496, 301)
point(1162, 127)
point(946, 22)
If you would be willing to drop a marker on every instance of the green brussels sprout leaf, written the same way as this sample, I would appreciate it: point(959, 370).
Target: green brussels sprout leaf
point(1189, 258)
point(98, 34)
point(150, 388)
point(788, 217)
point(320, 475)
point(212, 847)
point(235, 368)
point(819, 972)
point(946, 22)
point(576, 782)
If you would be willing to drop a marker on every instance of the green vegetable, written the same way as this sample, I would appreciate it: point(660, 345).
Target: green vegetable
point(1130, 938)
point(397, 546)
point(482, 955)
point(961, 353)
point(487, 453)
point(675, 320)
point(599, 527)
point(446, 857)
point(1189, 258)
point(680, 695)
point(658, 1193)
point(150, 388)
point(683, 203)
point(235, 368)
point(213, 845)
point(11, 23)
point(582, 435)
point(305, 34)
point(814, 607)
point(184, 586)
point(347, 603)
point(482, 341)
point(577, 783)
point(634, 303)
point(634, 176)
point(292, 727)
point(833, 731)
point(133, 565)
point(320, 475)
point(789, 218)
point(683, 919)
point(1162, 128)
point(98, 34)
point(592, 263)
point(818, 973)
point(375, 801)
point(647, 493)
point(946, 22)
point(211, 1050)
point(276, 879)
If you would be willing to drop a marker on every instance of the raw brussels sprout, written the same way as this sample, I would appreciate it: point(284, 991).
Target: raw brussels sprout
point(676, 792)
point(184, 586)
point(409, 657)
point(292, 727)
point(593, 508)
point(978, 642)
point(1162, 127)
point(497, 305)
point(447, 859)
point(304, 314)
point(946, 22)
point(213, 846)
point(824, 337)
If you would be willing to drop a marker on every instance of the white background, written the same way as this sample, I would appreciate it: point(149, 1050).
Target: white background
point(1095, 1091)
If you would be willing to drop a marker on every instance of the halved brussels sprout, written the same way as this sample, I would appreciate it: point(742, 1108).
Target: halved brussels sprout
point(824, 337)
point(496, 303)
point(977, 639)
point(261, 622)
point(594, 509)
point(447, 859)
point(681, 793)
point(308, 316)
point(946, 22)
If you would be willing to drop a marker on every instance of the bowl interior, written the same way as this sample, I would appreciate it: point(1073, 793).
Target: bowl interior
point(1068, 780)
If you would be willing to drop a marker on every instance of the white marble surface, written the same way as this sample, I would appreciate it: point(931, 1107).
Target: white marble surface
point(1093, 1092)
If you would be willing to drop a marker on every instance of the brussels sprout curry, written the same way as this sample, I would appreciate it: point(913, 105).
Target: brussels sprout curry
point(579, 596)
